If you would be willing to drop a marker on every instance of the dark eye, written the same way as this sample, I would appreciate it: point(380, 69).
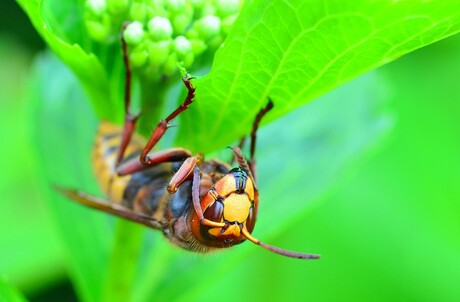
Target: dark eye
point(251, 220)
point(214, 211)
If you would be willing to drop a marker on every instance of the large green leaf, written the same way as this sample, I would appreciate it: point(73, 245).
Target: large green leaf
point(60, 25)
point(63, 147)
point(294, 51)
point(27, 238)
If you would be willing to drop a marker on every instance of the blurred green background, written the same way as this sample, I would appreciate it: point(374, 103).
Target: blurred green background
point(387, 228)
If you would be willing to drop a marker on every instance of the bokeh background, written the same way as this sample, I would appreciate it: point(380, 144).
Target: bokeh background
point(387, 227)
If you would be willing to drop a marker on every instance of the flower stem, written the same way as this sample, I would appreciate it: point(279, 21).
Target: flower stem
point(123, 261)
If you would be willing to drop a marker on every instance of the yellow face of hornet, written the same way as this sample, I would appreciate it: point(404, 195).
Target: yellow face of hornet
point(233, 201)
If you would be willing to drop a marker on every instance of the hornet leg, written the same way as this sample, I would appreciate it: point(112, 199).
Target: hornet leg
point(255, 126)
point(130, 119)
point(238, 156)
point(147, 159)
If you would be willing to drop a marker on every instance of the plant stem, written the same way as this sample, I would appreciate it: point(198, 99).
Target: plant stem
point(123, 262)
point(152, 104)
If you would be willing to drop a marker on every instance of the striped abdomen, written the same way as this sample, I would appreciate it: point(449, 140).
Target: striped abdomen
point(143, 191)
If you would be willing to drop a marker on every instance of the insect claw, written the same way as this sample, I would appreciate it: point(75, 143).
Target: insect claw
point(188, 77)
point(270, 104)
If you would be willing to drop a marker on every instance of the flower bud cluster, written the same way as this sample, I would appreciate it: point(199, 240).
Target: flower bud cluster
point(162, 33)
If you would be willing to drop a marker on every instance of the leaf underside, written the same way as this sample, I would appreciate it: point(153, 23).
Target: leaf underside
point(294, 51)
point(290, 51)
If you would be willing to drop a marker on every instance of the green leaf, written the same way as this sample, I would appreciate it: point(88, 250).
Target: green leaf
point(62, 130)
point(291, 51)
point(60, 25)
point(294, 51)
point(29, 243)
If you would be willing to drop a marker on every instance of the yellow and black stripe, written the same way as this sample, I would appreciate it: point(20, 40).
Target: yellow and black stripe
point(143, 191)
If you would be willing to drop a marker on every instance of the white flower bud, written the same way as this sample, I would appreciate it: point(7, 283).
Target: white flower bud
point(175, 5)
point(160, 28)
point(208, 27)
point(134, 33)
point(182, 46)
point(97, 7)
point(227, 7)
